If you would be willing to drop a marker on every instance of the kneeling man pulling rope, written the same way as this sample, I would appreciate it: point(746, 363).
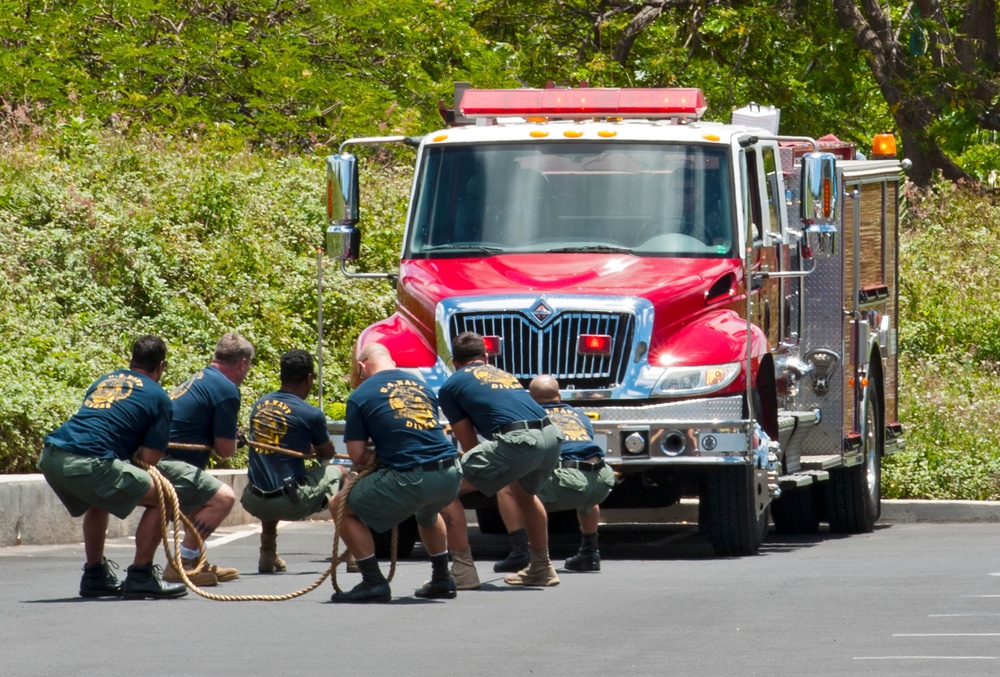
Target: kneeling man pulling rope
point(418, 474)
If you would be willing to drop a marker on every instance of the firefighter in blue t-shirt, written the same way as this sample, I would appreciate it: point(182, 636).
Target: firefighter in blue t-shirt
point(581, 482)
point(206, 408)
point(418, 473)
point(280, 487)
point(85, 461)
point(521, 449)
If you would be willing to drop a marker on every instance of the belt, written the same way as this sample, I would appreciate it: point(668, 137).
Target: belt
point(440, 464)
point(281, 491)
point(582, 465)
point(536, 424)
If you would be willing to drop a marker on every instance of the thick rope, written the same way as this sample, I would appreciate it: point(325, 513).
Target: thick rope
point(167, 497)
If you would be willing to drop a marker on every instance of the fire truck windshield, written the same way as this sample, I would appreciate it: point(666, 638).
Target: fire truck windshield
point(643, 199)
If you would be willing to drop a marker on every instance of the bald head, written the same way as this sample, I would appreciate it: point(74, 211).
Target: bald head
point(544, 389)
point(373, 358)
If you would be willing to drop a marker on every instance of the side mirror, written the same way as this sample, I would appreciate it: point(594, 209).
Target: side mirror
point(342, 189)
point(821, 241)
point(820, 192)
point(343, 242)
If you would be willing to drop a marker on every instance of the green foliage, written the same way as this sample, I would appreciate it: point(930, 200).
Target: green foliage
point(950, 348)
point(102, 239)
point(288, 73)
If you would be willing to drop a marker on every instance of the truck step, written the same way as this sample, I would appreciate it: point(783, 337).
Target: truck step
point(825, 462)
point(802, 479)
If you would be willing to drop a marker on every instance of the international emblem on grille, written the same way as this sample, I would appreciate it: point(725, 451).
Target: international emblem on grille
point(541, 312)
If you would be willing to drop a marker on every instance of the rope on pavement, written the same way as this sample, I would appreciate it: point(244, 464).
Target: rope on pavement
point(169, 504)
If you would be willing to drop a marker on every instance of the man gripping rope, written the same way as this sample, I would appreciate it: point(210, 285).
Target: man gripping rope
point(581, 482)
point(418, 474)
point(86, 462)
point(206, 407)
point(280, 487)
point(521, 450)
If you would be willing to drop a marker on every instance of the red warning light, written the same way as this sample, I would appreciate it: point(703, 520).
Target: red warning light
point(492, 344)
point(594, 344)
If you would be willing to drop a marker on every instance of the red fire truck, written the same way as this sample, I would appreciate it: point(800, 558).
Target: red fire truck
point(721, 300)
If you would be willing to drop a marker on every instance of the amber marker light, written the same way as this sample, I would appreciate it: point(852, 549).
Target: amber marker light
point(538, 134)
point(884, 146)
point(572, 134)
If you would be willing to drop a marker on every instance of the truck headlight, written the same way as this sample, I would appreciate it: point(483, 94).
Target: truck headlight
point(687, 381)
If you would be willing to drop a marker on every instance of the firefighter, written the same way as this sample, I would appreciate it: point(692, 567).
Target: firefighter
point(521, 450)
point(418, 474)
point(206, 407)
point(581, 482)
point(280, 487)
point(85, 461)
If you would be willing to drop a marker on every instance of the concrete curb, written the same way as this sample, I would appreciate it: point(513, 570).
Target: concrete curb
point(30, 513)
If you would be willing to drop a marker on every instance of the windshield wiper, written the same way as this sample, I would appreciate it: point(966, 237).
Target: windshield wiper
point(611, 249)
point(462, 248)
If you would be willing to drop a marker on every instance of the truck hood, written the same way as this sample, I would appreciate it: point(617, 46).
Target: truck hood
point(667, 282)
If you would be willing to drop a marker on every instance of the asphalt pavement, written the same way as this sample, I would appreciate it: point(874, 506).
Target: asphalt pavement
point(911, 598)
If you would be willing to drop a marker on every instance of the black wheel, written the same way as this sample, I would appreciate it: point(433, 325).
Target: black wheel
point(737, 518)
point(796, 511)
point(406, 539)
point(854, 495)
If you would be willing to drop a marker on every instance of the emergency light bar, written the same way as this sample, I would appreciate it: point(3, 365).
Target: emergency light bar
point(585, 102)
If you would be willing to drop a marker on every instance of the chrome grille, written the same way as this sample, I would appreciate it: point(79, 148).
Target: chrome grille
point(529, 349)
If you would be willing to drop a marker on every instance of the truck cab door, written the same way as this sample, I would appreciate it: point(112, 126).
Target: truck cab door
point(763, 244)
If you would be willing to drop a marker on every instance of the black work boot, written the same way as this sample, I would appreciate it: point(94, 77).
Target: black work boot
point(519, 556)
point(99, 581)
point(584, 560)
point(588, 558)
point(372, 588)
point(442, 583)
point(142, 581)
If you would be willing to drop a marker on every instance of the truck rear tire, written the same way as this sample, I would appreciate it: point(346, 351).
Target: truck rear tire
point(854, 495)
point(405, 541)
point(730, 497)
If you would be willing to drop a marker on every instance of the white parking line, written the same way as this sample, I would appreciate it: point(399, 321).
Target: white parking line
point(946, 634)
point(926, 658)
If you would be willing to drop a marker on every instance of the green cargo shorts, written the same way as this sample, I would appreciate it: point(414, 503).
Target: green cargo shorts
point(572, 489)
point(194, 486)
point(524, 456)
point(387, 497)
point(305, 499)
point(82, 482)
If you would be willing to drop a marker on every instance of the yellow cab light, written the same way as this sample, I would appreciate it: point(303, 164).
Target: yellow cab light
point(440, 137)
point(710, 137)
point(538, 134)
point(572, 133)
point(884, 146)
point(536, 118)
point(607, 133)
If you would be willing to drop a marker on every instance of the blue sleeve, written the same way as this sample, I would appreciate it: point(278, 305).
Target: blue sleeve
point(224, 423)
point(451, 410)
point(354, 425)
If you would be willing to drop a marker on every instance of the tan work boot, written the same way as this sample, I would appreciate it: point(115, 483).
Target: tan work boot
point(539, 573)
point(222, 573)
point(201, 578)
point(269, 561)
point(463, 568)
